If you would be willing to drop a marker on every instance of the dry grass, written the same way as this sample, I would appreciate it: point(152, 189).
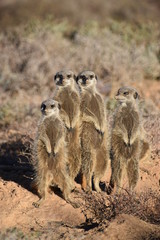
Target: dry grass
point(32, 54)
point(100, 209)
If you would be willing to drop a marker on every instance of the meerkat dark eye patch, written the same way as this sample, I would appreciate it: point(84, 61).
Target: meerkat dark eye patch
point(52, 106)
point(91, 76)
point(125, 93)
point(60, 76)
point(69, 76)
point(136, 95)
point(59, 105)
point(43, 107)
point(84, 78)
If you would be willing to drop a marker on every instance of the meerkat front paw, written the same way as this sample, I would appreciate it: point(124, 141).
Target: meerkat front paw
point(132, 140)
point(52, 154)
point(100, 132)
point(126, 140)
point(49, 150)
point(128, 144)
point(69, 129)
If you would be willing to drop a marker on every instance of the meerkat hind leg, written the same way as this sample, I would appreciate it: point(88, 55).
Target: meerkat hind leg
point(43, 188)
point(66, 195)
point(88, 182)
point(96, 181)
point(42, 197)
point(115, 166)
point(100, 166)
point(132, 173)
point(84, 181)
point(87, 163)
point(119, 180)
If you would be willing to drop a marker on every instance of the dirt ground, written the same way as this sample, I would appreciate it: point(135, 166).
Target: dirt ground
point(56, 219)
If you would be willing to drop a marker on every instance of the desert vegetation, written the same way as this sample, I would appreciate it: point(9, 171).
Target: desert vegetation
point(120, 42)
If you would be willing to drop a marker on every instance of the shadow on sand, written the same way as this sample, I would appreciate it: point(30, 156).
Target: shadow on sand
point(15, 161)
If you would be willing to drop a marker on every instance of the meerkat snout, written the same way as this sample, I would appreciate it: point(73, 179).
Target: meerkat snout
point(64, 78)
point(126, 94)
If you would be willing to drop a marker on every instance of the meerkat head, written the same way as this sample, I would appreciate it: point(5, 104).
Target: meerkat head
point(49, 107)
point(65, 78)
point(86, 79)
point(126, 95)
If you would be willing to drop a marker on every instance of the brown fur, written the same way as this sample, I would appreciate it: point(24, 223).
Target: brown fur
point(51, 153)
point(93, 132)
point(127, 145)
point(67, 94)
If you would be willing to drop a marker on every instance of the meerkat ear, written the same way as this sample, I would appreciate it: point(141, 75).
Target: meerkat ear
point(59, 106)
point(136, 95)
point(96, 77)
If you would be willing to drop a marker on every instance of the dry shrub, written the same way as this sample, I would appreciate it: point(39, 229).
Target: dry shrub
point(97, 210)
point(78, 12)
point(16, 111)
point(29, 61)
point(145, 205)
point(100, 208)
point(16, 160)
point(17, 151)
point(15, 233)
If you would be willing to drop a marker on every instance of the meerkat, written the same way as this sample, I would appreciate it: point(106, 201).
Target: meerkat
point(67, 95)
point(127, 144)
point(93, 133)
point(51, 153)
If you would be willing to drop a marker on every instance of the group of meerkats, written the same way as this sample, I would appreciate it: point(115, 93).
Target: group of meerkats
point(73, 137)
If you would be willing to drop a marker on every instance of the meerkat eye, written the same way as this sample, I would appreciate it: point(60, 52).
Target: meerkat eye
point(52, 106)
point(91, 76)
point(69, 76)
point(126, 93)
